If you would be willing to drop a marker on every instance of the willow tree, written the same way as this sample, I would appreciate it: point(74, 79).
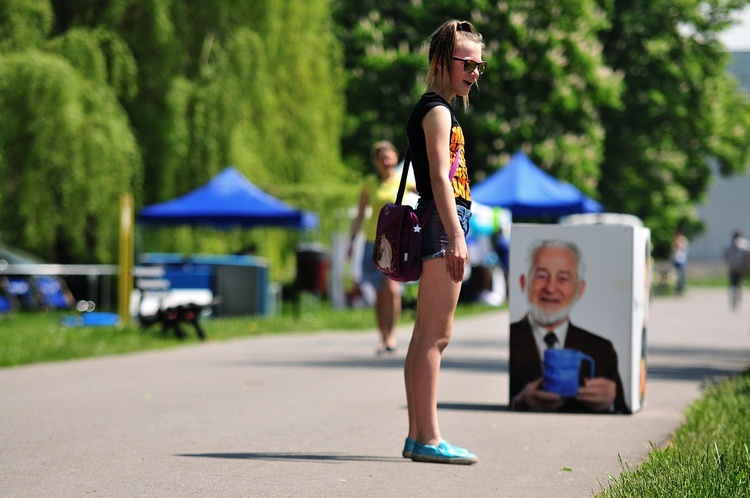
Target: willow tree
point(255, 85)
point(182, 90)
point(67, 151)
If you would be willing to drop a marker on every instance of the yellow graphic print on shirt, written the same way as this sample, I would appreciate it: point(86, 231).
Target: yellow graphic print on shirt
point(460, 180)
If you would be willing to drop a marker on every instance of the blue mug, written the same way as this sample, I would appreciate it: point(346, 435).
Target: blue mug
point(562, 371)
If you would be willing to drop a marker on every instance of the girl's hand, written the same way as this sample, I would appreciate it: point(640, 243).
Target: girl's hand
point(456, 256)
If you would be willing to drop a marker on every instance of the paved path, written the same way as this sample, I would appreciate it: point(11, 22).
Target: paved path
point(321, 416)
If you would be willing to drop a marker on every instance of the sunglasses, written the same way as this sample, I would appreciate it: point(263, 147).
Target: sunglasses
point(470, 65)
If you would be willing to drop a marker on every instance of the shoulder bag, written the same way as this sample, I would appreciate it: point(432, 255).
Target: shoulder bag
point(398, 239)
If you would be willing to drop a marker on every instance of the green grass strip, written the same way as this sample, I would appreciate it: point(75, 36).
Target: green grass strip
point(36, 337)
point(708, 455)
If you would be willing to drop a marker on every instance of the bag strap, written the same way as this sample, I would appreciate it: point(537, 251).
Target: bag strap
point(405, 173)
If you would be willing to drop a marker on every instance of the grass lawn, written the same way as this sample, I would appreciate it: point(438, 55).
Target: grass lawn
point(40, 336)
point(708, 456)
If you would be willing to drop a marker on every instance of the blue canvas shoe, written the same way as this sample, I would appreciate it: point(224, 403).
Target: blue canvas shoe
point(442, 453)
point(408, 447)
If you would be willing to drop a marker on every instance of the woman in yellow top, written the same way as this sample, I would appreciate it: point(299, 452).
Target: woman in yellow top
point(380, 189)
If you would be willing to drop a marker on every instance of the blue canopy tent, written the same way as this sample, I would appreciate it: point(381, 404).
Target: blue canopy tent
point(529, 192)
point(229, 200)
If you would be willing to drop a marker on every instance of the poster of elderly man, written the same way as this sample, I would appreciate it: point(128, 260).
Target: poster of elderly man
point(578, 297)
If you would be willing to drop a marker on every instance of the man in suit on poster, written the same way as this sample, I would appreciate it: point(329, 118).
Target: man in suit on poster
point(553, 283)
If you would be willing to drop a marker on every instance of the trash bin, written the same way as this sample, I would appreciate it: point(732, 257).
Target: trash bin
point(312, 270)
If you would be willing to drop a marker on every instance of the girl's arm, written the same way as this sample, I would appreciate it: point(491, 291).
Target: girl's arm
point(437, 127)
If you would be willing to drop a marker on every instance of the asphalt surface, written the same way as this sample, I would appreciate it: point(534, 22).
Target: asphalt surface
point(321, 416)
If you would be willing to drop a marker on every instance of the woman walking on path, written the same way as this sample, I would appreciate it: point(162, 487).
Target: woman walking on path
point(435, 141)
point(737, 256)
point(379, 190)
point(680, 247)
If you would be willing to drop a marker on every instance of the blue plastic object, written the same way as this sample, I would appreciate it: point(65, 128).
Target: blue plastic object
point(92, 319)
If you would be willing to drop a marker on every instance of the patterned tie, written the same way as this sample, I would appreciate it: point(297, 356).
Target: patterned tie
point(550, 339)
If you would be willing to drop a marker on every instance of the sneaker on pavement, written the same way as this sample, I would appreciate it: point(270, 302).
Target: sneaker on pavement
point(442, 453)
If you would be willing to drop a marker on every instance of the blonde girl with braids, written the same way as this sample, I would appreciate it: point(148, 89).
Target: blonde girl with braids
point(436, 142)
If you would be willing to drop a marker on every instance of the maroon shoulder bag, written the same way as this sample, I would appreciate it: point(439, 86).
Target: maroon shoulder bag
point(398, 240)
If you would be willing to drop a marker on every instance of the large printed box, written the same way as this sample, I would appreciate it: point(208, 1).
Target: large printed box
point(605, 298)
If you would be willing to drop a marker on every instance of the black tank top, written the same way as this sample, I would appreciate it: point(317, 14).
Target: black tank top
point(418, 150)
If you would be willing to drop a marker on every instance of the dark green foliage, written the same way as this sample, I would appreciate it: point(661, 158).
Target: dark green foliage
point(542, 93)
point(626, 100)
point(681, 109)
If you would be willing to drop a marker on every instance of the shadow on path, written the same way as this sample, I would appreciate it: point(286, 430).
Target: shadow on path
point(453, 363)
point(295, 457)
point(682, 373)
point(695, 363)
point(476, 407)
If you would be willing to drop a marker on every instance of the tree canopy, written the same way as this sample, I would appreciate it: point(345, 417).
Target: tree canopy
point(153, 98)
point(681, 109)
point(626, 100)
point(67, 147)
point(629, 101)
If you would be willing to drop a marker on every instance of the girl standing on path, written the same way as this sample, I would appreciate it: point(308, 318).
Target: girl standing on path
point(435, 141)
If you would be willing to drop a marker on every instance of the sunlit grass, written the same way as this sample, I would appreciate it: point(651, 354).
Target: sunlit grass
point(33, 337)
point(708, 456)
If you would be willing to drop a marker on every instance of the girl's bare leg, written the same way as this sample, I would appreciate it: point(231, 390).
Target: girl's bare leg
point(436, 305)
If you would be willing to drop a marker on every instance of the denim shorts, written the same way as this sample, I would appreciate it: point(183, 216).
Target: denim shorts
point(434, 238)
point(370, 273)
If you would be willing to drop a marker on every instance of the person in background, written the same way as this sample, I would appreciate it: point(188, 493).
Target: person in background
point(680, 247)
point(737, 256)
point(501, 244)
point(436, 142)
point(379, 189)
